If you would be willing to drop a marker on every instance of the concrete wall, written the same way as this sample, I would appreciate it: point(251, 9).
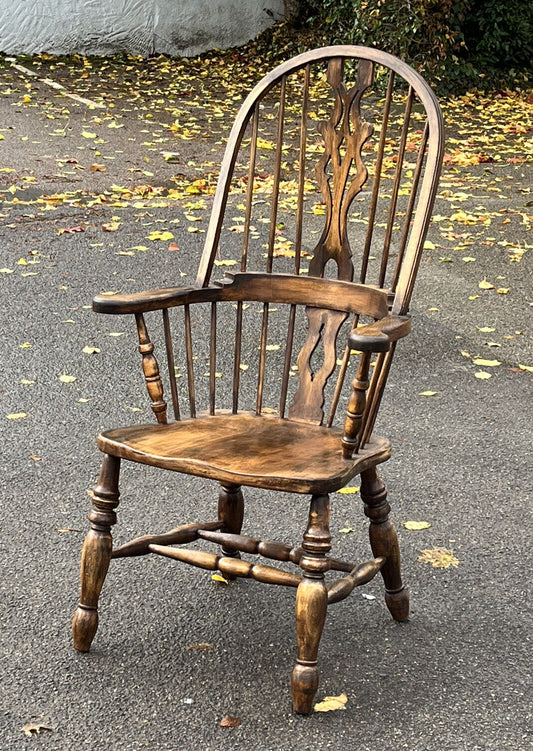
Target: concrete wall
point(142, 27)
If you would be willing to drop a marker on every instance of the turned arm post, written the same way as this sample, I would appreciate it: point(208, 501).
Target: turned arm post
point(356, 408)
point(150, 367)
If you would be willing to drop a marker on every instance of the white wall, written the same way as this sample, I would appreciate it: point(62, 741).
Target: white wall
point(142, 27)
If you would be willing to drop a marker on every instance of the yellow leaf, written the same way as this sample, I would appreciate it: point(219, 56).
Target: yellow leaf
point(486, 329)
point(6, 271)
point(474, 297)
point(486, 363)
point(91, 350)
point(22, 262)
point(503, 290)
point(529, 368)
point(483, 375)
point(346, 530)
point(111, 226)
point(17, 415)
point(484, 284)
point(116, 333)
point(139, 247)
point(428, 393)
point(225, 263)
point(26, 345)
point(161, 235)
point(197, 230)
point(331, 703)
point(349, 490)
point(416, 525)
point(272, 347)
point(428, 245)
point(433, 310)
point(439, 558)
point(67, 378)
point(468, 259)
point(110, 293)
point(219, 578)
point(87, 134)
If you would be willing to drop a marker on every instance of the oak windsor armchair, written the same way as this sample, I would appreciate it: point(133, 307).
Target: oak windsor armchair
point(334, 119)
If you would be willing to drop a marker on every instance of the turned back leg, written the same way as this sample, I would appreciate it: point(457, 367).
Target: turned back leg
point(384, 542)
point(96, 553)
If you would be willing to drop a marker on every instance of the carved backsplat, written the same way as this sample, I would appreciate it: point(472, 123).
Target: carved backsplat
point(344, 136)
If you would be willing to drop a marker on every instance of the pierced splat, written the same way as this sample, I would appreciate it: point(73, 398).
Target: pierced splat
point(344, 134)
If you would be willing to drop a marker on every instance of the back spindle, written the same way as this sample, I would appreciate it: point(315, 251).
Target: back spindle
point(171, 364)
point(150, 368)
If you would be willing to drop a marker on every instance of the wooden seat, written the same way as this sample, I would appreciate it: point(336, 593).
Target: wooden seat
point(244, 449)
point(277, 371)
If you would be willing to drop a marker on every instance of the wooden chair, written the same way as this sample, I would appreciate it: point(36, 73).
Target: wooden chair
point(307, 142)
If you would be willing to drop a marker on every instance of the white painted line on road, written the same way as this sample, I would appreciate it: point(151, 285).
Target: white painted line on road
point(54, 85)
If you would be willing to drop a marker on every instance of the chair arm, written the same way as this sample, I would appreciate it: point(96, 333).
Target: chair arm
point(154, 299)
point(378, 336)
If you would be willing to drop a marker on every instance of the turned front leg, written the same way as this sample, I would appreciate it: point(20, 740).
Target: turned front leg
point(384, 542)
point(96, 553)
point(311, 604)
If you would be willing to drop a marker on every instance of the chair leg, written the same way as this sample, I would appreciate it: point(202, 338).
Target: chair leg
point(231, 513)
point(384, 542)
point(96, 553)
point(311, 604)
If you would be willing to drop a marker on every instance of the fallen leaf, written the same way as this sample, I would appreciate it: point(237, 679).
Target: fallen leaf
point(272, 347)
point(88, 134)
point(17, 415)
point(71, 230)
point(486, 363)
point(229, 721)
point(529, 368)
point(97, 168)
point(160, 235)
point(331, 703)
point(346, 530)
point(483, 375)
point(34, 728)
point(91, 350)
point(486, 329)
point(173, 246)
point(35, 458)
point(219, 578)
point(25, 345)
point(111, 226)
point(439, 558)
point(201, 646)
point(484, 284)
point(503, 290)
point(416, 525)
point(6, 271)
point(67, 378)
point(229, 262)
point(428, 245)
point(428, 393)
point(349, 490)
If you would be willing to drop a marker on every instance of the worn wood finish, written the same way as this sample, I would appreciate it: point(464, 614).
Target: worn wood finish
point(361, 574)
point(230, 567)
point(243, 449)
point(178, 536)
point(257, 287)
point(96, 553)
point(231, 514)
point(311, 604)
point(150, 366)
point(384, 542)
point(291, 451)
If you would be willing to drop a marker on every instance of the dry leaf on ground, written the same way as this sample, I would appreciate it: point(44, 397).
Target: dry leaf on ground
point(331, 703)
point(439, 557)
point(229, 721)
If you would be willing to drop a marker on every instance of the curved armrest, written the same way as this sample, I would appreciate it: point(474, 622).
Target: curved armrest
point(378, 336)
point(154, 299)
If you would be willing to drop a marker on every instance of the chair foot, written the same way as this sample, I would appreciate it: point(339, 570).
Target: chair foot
point(311, 605)
point(96, 553)
point(398, 604)
point(384, 542)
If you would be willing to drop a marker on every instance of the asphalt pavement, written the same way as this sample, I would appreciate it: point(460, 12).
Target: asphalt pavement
point(456, 677)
